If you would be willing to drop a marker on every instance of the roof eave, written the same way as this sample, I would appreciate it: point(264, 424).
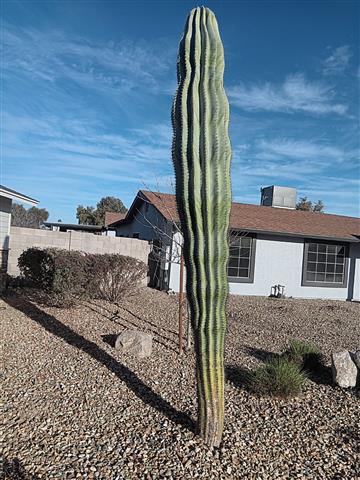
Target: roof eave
point(8, 193)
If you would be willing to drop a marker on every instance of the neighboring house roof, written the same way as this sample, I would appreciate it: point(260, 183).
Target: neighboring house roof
point(20, 197)
point(263, 219)
point(75, 226)
point(112, 217)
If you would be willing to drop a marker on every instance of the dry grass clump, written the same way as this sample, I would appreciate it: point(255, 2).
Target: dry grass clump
point(279, 377)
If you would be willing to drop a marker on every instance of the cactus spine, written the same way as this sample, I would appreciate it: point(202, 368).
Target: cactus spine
point(201, 157)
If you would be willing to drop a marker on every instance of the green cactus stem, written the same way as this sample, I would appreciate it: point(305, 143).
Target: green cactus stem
point(201, 157)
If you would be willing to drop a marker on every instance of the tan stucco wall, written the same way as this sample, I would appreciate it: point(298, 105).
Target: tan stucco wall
point(23, 238)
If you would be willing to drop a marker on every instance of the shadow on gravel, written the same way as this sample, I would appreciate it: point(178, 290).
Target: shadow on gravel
point(237, 376)
point(259, 353)
point(13, 470)
point(132, 381)
point(110, 339)
point(126, 323)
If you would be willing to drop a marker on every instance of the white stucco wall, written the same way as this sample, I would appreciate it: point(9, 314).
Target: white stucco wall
point(279, 260)
point(354, 270)
point(5, 219)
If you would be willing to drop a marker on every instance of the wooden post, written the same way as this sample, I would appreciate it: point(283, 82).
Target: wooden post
point(181, 301)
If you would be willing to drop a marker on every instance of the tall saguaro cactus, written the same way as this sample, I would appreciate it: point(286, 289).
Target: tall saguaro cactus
point(201, 156)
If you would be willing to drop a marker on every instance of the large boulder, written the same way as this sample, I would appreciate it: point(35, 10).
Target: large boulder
point(344, 369)
point(134, 342)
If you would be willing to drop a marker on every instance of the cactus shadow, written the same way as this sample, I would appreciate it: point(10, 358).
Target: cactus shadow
point(13, 470)
point(122, 372)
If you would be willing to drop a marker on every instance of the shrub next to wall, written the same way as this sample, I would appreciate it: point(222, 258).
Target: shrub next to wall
point(59, 274)
point(63, 276)
point(112, 276)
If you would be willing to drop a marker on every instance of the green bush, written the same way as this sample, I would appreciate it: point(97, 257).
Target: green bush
point(60, 275)
point(305, 354)
point(278, 377)
point(63, 276)
point(112, 277)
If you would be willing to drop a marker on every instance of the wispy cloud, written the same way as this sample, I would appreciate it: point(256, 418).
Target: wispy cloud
point(105, 66)
point(300, 149)
point(295, 94)
point(337, 61)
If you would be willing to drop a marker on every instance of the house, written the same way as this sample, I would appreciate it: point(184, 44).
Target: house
point(313, 255)
point(6, 198)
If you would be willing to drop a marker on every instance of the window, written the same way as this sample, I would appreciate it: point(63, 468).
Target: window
point(325, 264)
point(242, 257)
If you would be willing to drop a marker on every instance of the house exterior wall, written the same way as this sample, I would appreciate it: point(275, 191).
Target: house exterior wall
point(148, 223)
point(279, 260)
point(354, 272)
point(23, 238)
point(5, 220)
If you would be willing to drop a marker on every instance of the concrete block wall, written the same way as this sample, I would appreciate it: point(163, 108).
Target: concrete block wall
point(23, 238)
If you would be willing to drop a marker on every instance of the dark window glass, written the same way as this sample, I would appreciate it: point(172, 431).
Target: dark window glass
point(321, 257)
point(330, 268)
point(320, 277)
point(232, 272)
point(312, 247)
point(240, 257)
point(311, 267)
point(245, 252)
point(246, 242)
point(244, 262)
point(243, 272)
point(325, 263)
point(320, 267)
point(233, 262)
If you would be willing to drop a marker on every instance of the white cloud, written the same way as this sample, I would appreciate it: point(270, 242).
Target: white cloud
point(295, 94)
point(105, 66)
point(337, 62)
point(299, 149)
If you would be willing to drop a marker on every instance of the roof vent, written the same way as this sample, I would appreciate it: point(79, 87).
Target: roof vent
point(279, 197)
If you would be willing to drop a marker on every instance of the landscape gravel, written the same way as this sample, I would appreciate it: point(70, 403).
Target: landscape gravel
point(75, 408)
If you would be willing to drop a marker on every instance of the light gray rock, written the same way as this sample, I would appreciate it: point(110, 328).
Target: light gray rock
point(134, 342)
point(344, 369)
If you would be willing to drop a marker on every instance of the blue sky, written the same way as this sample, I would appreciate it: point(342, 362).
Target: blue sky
point(88, 87)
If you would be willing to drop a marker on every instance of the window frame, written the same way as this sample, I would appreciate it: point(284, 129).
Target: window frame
point(314, 283)
point(250, 278)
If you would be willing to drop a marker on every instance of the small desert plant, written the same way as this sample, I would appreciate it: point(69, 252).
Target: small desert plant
point(305, 354)
point(278, 377)
point(112, 277)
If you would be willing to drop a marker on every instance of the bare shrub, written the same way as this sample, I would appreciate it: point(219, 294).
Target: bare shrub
point(113, 277)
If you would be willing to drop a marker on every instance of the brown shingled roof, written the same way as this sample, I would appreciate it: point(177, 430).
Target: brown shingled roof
point(256, 218)
point(112, 217)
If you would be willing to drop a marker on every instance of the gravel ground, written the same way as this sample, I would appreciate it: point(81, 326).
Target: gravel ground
point(76, 408)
